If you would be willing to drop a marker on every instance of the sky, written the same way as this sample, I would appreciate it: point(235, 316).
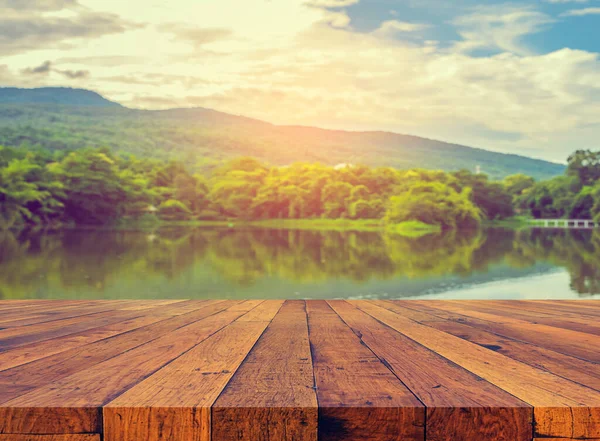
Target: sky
point(520, 77)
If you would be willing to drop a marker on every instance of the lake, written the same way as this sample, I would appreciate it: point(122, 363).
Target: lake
point(268, 263)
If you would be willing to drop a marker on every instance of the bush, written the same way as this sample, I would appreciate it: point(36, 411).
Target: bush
point(174, 210)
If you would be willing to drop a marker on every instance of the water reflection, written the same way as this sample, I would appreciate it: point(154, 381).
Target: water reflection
point(264, 263)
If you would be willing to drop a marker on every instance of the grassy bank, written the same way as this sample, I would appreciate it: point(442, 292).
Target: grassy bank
point(412, 228)
point(320, 224)
point(512, 222)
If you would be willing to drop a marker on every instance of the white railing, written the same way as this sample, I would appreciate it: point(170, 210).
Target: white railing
point(565, 223)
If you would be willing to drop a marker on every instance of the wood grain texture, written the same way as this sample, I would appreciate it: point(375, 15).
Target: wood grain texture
point(233, 370)
point(566, 341)
point(561, 407)
point(572, 368)
point(175, 403)
point(14, 337)
point(460, 405)
point(86, 391)
point(535, 315)
point(75, 437)
point(272, 397)
point(18, 380)
point(359, 397)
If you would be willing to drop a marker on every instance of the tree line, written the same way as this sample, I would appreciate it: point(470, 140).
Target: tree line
point(96, 186)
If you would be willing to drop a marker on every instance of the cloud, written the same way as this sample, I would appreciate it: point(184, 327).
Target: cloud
point(37, 5)
point(331, 3)
point(30, 28)
point(565, 1)
point(75, 74)
point(47, 67)
point(391, 27)
point(44, 69)
point(196, 35)
point(499, 27)
point(362, 81)
point(105, 60)
point(581, 12)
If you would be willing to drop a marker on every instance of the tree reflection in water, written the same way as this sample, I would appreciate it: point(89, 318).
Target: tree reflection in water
point(84, 263)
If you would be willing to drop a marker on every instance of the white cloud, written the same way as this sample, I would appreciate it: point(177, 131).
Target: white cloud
point(499, 27)
point(195, 35)
point(331, 3)
point(37, 5)
point(391, 27)
point(581, 12)
point(566, 1)
point(27, 25)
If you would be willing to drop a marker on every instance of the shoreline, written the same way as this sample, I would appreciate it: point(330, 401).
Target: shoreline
point(408, 229)
point(371, 225)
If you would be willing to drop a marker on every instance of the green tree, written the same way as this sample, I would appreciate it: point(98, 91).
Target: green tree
point(585, 164)
point(335, 198)
point(434, 203)
point(491, 197)
point(582, 205)
point(17, 193)
point(94, 190)
point(551, 199)
point(518, 184)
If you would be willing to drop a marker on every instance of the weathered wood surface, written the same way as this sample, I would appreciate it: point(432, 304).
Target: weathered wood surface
point(234, 370)
point(74, 437)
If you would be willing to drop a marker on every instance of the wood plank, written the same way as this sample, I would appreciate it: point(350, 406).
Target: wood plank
point(56, 307)
point(16, 381)
point(565, 341)
point(175, 403)
point(574, 369)
point(359, 397)
point(562, 408)
point(78, 437)
point(46, 348)
point(83, 309)
point(541, 309)
point(272, 395)
point(151, 304)
point(21, 336)
point(566, 321)
point(459, 404)
point(561, 306)
point(77, 399)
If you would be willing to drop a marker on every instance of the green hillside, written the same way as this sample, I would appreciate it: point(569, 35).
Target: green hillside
point(60, 118)
point(54, 95)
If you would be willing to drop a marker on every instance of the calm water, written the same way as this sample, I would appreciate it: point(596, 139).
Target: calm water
point(261, 263)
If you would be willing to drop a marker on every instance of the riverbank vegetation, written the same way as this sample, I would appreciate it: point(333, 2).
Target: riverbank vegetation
point(97, 187)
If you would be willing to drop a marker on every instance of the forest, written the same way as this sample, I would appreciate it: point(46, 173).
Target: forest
point(98, 187)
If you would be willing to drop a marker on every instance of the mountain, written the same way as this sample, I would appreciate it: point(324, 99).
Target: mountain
point(60, 118)
point(54, 95)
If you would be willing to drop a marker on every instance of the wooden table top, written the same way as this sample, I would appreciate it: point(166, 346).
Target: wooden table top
point(203, 370)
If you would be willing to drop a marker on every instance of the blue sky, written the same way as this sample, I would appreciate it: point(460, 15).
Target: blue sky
point(562, 30)
point(519, 76)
